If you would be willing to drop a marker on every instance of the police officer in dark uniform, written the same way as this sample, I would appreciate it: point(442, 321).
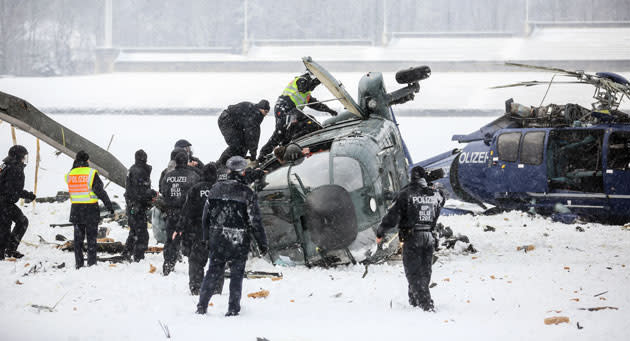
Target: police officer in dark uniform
point(415, 211)
point(138, 195)
point(187, 146)
point(173, 189)
point(240, 126)
point(11, 190)
point(296, 95)
point(190, 227)
point(230, 217)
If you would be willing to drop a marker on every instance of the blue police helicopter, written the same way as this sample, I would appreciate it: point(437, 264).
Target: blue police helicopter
point(562, 160)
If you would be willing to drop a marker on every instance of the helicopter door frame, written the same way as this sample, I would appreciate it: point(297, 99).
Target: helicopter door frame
point(617, 174)
point(576, 188)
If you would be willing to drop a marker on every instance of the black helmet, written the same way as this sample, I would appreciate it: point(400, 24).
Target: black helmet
point(182, 144)
point(18, 152)
point(236, 163)
point(417, 173)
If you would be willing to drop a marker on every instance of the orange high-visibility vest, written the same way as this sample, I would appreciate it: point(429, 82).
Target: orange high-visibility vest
point(79, 182)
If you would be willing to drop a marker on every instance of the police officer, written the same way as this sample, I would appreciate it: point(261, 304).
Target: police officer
point(240, 126)
point(415, 210)
point(173, 188)
point(11, 190)
point(171, 165)
point(230, 216)
point(138, 195)
point(296, 95)
point(192, 161)
point(85, 187)
point(190, 227)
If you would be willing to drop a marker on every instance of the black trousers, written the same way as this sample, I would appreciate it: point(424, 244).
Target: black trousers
point(171, 247)
point(81, 231)
point(10, 239)
point(214, 277)
point(279, 134)
point(417, 260)
point(138, 239)
point(197, 260)
point(235, 139)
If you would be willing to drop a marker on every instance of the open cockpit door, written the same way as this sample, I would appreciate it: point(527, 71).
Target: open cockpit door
point(334, 86)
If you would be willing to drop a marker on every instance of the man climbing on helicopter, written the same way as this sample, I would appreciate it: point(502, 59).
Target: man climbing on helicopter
point(296, 95)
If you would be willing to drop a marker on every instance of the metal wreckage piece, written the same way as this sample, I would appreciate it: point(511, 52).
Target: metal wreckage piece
point(26, 117)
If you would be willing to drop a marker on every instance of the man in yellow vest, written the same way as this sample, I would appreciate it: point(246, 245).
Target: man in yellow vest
point(85, 188)
point(296, 95)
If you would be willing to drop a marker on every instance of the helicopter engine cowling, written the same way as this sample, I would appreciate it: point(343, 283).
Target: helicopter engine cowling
point(330, 217)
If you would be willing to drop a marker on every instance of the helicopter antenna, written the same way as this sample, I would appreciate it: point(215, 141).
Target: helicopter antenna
point(548, 87)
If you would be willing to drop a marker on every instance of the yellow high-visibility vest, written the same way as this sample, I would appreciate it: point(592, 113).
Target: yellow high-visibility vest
point(299, 98)
point(79, 182)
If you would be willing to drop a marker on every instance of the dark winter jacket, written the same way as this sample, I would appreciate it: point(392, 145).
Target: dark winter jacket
point(12, 182)
point(243, 118)
point(171, 166)
point(192, 210)
point(416, 207)
point(89, 213)
point(176, 184)
point(138, 190)
point(231, 215)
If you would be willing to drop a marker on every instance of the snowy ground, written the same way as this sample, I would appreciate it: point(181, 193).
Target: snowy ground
point(497, 293)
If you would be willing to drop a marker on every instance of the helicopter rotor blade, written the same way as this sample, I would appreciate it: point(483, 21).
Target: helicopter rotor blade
point(533, 83)
point(546, 68)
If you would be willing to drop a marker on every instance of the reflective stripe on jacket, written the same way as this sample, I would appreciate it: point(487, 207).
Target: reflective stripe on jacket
point(299, 98)
point(79, 182)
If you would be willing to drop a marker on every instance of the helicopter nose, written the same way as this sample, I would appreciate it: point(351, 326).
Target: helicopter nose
point(330, 217)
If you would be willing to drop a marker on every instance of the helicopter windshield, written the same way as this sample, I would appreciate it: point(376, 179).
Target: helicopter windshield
point(315, 172)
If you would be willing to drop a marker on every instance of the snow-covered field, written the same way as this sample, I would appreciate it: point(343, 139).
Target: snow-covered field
point(497, 293)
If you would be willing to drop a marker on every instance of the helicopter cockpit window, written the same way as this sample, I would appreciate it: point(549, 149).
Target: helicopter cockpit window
point(508, 146)
point(276, 179)
point(347, 173)
point(619, 150)
point(313, 172)
point(532, 149)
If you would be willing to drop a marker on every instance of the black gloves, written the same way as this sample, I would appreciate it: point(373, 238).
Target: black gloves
point(29, 196)
point(110, 208)
point(332, 112)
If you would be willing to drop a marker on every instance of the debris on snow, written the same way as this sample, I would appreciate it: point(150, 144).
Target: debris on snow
point(600, 308)
point(152, 268)
point(259, 294)
point(556, 320)
point(489, 228)
point(525, 248)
